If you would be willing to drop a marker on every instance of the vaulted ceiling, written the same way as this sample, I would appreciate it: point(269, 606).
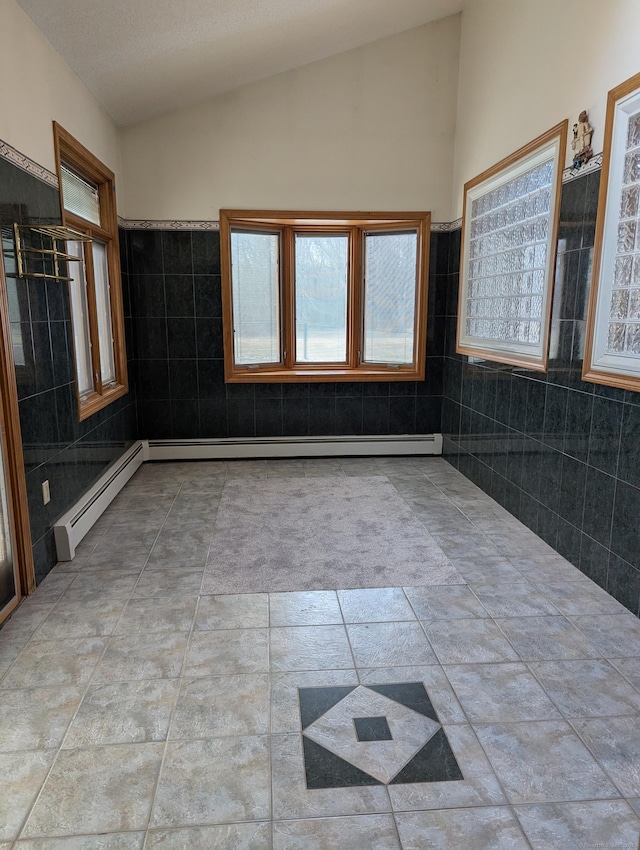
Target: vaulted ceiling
point(143, 57)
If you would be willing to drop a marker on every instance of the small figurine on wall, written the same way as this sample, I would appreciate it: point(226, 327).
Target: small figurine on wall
point(581, 144)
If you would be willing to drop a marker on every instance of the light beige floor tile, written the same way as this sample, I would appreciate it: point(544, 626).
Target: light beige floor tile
point(578, 826)
point(513, 599)
point(390, 645)
point(615, 742)
point(169, 582)
point(543, 761)
point(237, 836)
point(468, 641)
point(581, 599)
point(304, 608)
point(587, 688)
point(228, 651)
point(222, 707)
point(123, 713)
point(23, 623)
point(104, 841)
point(375, 605)
point(168, 555)
point(162, 615)
point(546, 638)
point(443, 603)
point(451, 829)
point(51, 588)
point(21, 777)
point(148, 656)
point(630, 669)
point(634, 802)
point(86, 618)
point(99, 789)
point(310, 648)
point(614, 635)
point(357, 833)
point(55, 662)
point(102, 584)
point(218, 781)
point(233, 611)
point(105, 557)
point(500, 693)
point(36, 718)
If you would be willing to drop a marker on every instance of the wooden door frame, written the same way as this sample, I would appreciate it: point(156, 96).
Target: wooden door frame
point(22, 549)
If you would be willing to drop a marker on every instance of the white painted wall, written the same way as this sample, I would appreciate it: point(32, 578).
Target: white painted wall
point(372, 128)
point(37, 87)
point(525, 66)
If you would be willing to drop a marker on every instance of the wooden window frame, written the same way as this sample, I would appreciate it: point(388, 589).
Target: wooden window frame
point(24, 571)
point(72, 154)
point(604, 367)
point(356, 224)
point(498, 175)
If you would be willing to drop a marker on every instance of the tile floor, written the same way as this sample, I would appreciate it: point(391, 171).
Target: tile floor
point(136, 713)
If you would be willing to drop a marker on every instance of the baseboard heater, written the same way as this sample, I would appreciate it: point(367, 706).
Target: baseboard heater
point(290, 447)
point(72, 526)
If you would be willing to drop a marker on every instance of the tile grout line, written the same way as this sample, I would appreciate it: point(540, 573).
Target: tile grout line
point(180, 679)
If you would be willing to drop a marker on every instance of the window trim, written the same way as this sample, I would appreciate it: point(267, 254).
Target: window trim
point(76, 157)
point(356, 224)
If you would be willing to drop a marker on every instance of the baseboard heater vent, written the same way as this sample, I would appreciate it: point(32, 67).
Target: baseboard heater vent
point(72, 526)
point(288, 447)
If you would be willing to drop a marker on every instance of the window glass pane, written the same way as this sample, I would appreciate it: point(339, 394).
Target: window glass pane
point(80, 197)
point(321, 297)
point(255, 282)
point(390, 269)
point(103, 307)
point(79, 319)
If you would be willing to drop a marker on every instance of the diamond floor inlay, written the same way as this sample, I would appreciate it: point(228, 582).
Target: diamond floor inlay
point(142, 714)
point(393, 736)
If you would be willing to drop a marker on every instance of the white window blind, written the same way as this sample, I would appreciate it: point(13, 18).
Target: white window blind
point(80, 197)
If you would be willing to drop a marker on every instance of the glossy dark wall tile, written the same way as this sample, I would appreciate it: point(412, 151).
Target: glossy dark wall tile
point(57, 447)
point(560, 454)
point(177, 318)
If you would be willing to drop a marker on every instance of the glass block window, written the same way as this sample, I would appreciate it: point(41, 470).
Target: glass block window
point(508, 255)
point(612, 353)
point(623, 334)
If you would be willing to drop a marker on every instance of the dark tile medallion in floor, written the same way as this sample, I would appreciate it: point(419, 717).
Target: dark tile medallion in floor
point(372, 729)
point(376, 735)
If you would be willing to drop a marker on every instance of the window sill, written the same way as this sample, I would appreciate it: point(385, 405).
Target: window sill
point(290, 376)
point(94, 402)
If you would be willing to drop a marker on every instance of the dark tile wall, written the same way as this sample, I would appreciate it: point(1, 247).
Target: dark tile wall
point(560, 454)
point(57, 447)
point(176, 304)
